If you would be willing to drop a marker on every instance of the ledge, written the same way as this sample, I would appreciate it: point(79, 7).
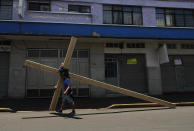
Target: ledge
point(67, 13)
point(91, 30)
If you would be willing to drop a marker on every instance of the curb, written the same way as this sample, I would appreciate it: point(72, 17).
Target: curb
point(147, 105)
point(135, 105)
point(6, 110)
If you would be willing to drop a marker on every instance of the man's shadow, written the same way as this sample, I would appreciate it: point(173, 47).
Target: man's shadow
point(68, 115)
point(64, 115)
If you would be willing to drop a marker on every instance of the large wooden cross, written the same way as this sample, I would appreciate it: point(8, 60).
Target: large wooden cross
point(89, 81)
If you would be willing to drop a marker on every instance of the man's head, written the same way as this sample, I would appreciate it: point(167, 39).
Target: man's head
point(62, 65)
point(64, 72)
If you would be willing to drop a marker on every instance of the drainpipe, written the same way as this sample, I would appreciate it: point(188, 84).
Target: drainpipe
point(21, 8)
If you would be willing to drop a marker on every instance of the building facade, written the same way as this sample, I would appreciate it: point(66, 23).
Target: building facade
point(141, 45)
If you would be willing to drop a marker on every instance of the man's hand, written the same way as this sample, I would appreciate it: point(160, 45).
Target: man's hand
point(62, 65)
point(55, 86)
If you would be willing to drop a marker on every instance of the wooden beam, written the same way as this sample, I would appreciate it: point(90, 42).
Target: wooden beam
point(103, 85)
point(120, 90)
point(66, 65)
point(70, 52)
point(56, 95)
point(41, 66)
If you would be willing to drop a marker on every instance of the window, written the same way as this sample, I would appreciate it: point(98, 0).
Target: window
point(187, 46)
point(83, 54)
point(33, 53)
point(169, 46)
point(6, 9)
point(160, 17)
point(49, 53)
point(174, 17)
point(39, 5)
point(135, 45)
point(7, 43)
point(189, 18)
point(79, 8)
point(110, 67)
point(179, 17)
point(42, 53)
point(122, 15)
point(114, 45)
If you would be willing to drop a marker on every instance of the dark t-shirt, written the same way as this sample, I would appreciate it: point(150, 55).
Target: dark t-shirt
point(67, 83)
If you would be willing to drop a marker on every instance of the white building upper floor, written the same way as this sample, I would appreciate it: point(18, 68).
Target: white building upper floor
point(148, 13)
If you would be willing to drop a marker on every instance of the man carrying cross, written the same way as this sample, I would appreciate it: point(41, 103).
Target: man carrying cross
point(67, 93)
point(86, 80)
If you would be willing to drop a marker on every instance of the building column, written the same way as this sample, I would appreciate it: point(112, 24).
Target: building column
point(97, 68)
point(153, 72)
point(97, 11)
point(17, 71)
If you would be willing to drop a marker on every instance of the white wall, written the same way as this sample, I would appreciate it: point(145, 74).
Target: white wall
point(152, 59)
point(17, 74)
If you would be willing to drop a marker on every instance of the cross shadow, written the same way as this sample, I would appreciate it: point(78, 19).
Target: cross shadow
point(89, 114)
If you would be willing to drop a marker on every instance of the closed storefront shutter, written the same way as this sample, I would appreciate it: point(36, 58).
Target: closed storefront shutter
point(41, 84)
point(133, 73)
point(178, 74)
point(188, 62)
point(127, 71)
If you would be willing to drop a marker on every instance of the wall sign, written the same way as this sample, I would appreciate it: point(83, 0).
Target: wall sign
point(132, 61)
point(177, 61)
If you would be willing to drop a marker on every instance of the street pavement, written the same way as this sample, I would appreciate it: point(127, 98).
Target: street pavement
point(125, 119)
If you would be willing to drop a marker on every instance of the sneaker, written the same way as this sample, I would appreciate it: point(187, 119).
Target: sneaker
point(73, 112)
point(60, 111)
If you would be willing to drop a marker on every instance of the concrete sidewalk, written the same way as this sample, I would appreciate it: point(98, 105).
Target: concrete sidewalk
point(38, 104)
point(125, 119)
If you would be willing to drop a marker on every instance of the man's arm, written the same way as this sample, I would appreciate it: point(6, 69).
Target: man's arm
point(67, 89)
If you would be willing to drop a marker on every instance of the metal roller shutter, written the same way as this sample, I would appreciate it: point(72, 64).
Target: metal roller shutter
point(178, 74)
point(41, 83)
point(133, 73)
point(127, 71)
point(188, 62)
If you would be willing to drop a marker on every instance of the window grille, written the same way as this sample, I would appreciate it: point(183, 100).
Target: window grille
point(110, 67)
